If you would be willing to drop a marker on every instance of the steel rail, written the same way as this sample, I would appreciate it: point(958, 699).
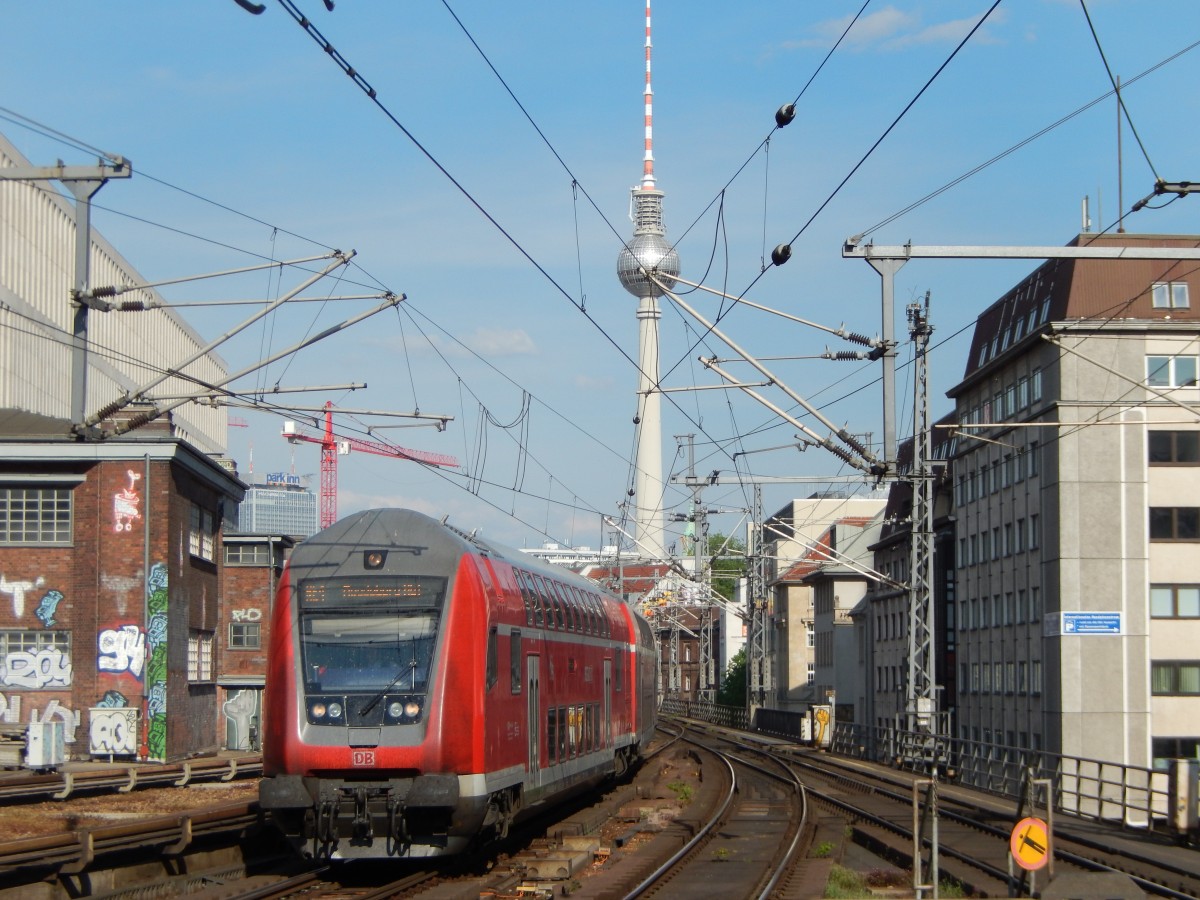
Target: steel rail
point(700, 835)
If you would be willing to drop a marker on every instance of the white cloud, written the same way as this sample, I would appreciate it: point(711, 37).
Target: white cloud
point(893, 29)
point(491, 342)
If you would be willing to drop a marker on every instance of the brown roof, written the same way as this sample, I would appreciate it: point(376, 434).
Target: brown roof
point(1076, 289)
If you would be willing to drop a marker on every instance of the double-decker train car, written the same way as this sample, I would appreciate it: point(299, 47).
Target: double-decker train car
point(427, 688)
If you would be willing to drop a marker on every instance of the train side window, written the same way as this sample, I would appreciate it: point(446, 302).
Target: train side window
point(562, 732)
point(596, 731)
point(589, 615)
point(619, 671)
point(564, 600)
point(585, 618)
point(527, 596)
point(597, 614)
point(514, 660)
point(560, 615)
point(492, 666)
point(580, 626)
point(605, 626)
point(551, 735)
point(546, 602)
point(575, 719)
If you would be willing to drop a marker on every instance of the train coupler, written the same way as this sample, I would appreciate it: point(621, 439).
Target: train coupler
point(397, 835)
point(362, 827)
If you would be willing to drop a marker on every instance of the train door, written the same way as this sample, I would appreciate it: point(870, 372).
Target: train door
point(533, 718)
point(608, 703)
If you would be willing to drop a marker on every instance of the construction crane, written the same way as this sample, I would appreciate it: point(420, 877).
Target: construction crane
point(332, 447)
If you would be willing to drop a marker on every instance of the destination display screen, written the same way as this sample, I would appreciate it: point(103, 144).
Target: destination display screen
point(373, 590)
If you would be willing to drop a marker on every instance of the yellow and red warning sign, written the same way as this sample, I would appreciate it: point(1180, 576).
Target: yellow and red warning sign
point(1030, 843)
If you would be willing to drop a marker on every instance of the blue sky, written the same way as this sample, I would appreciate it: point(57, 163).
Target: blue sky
point(247, 112)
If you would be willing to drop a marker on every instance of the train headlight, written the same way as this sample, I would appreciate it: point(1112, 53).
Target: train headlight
point(395, 709)
point(412, 709)
point(326, 710)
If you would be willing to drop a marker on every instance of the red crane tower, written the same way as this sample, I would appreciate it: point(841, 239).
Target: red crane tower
point(332, 447)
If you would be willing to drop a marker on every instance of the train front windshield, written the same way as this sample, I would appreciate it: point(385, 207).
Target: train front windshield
point(368, 653)
point(366, 647)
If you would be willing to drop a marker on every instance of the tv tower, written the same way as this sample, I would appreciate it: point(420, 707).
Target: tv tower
point(648, 252)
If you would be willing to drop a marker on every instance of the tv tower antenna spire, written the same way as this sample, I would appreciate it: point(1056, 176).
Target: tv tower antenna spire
point(648, 253)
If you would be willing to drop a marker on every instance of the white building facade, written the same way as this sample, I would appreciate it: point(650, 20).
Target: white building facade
point(1078, 512)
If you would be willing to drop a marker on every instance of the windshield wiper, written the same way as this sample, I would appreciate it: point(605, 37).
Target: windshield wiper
point(411, 667)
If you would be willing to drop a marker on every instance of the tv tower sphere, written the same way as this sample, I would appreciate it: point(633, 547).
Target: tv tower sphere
point(647, 253)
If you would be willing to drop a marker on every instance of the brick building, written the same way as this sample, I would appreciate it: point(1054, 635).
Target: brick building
point(248, 578)
point(109, 592)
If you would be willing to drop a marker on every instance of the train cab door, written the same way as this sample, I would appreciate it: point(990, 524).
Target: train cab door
point(607, 703)
point(533, 716)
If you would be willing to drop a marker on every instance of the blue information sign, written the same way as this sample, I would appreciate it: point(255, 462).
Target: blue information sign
point(1091, 623)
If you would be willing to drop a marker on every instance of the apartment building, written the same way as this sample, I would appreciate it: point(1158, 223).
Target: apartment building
point(1077, 510)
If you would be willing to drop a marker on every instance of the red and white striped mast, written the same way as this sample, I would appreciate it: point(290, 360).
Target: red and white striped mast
point(648, 253)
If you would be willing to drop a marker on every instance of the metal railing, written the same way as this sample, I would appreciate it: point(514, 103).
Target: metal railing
point(1135, 797)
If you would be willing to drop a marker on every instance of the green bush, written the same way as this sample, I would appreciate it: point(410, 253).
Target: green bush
point(845, 882)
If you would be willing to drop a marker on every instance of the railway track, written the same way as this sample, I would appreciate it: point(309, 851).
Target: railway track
point(748, 844)
point(26, 788)
point(885, 807)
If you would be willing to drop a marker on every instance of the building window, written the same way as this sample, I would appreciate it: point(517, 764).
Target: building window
point(812, 673)
point(1169, 295)
point(1035, 684)
point(245, 635)
point(247, 555)
point(1035, 385)
point(1035, 604)
point(810, 635)
point(201, 534)
point(1034, 532)
point(200, 655)
point(1171, 371)
point(1174, 448)
point(36, 659)
point(1175, 678)
point(1175, 601)
point(35, 515)
point(1166, 749)
point(1174, 523)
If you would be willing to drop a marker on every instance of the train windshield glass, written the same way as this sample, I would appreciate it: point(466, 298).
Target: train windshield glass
point(353, 647)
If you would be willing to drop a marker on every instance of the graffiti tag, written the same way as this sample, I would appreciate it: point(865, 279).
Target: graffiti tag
point(47, 607)
point(122, 650)
point(247, 615)
point(112, 731)
point(16, 590)
point(125, 505)
point(32, 669)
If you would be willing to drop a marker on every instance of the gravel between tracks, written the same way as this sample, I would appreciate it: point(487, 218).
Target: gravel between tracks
point(51, 817)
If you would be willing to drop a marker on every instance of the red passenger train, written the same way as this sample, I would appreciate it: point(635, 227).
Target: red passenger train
point(427, 688)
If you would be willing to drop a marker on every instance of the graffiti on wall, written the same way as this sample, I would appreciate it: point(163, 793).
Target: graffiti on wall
point(17, 590)
point(156, 663)
point(44, 667)
point(112, 700)
point(112, 731)
point(126, 505)
point(10, 714)
point(47, 607)
point(247, 615)
point(241, 711)
point(122, 649)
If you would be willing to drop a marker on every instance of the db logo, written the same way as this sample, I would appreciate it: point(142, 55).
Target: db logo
point(362, 757)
